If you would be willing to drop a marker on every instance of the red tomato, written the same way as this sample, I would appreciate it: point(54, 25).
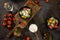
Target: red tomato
point(10, 15)
point(9, 22)
point(23, 24)
point(46, 1)
point(50, 27)
point(9, 19)
point(56, 23)
point(9, 26)
point(28, 38)
point(55, 26)
point(4, 24)
point(5, 19)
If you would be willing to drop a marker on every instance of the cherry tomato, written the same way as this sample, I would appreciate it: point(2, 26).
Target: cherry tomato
point(27, 38)
point(5, 19)
point(9, 22)
point(50, 27)
point(23, 24)
point(46, 1)
point(55, 26)
point(10, 15)
point(9, 26)
point(4, 24)
point(56, 23)
point(9, 19)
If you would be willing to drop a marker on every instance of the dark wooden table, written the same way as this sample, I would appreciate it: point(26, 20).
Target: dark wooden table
point(47, 10)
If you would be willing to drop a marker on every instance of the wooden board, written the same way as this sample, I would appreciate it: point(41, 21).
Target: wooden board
point(35, 8)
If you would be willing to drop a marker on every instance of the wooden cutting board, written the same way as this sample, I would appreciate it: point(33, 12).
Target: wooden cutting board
point(35, 8)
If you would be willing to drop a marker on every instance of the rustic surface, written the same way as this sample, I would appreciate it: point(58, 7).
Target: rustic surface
point(47, 9)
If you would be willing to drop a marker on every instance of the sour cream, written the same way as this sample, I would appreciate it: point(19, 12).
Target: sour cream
point(33, 28)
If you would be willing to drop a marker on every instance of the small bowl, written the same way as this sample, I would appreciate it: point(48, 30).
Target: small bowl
point(52, 23)
point(25, 15)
